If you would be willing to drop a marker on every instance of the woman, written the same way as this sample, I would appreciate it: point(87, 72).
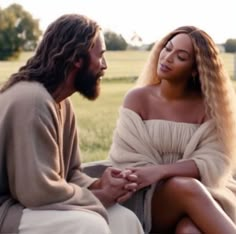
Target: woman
point(176, 132)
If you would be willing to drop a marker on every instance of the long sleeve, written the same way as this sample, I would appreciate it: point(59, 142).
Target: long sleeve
point(208, 154)
point(71, 148)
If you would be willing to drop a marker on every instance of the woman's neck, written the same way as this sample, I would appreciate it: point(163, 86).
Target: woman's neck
point(171, 91)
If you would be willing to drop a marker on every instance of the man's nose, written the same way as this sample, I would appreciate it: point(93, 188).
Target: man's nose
point(104, 64)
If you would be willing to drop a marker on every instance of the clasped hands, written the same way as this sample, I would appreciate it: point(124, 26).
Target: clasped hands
point(115, 185)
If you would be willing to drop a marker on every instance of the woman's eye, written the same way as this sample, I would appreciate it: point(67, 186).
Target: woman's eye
point(181, 58)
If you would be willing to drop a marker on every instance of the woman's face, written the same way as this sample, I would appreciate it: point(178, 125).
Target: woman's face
point(176, 60)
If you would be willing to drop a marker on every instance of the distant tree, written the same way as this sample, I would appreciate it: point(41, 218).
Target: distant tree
point(18, 30)
point(149, 47)
point(114, 41)
point(230, 46)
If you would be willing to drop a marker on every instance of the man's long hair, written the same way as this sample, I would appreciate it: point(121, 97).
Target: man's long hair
point(65, 41)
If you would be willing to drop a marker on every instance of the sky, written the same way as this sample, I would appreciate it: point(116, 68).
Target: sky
point(150, 19)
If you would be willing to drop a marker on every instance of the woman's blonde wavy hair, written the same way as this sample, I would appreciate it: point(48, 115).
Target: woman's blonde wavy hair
point(215, 84)
point(65, 41)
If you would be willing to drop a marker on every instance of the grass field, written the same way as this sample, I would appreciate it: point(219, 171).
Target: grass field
point(97, 119)
point(120, 64)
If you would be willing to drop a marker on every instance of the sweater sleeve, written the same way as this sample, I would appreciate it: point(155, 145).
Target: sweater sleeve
point(34, 160)
point(209, 156)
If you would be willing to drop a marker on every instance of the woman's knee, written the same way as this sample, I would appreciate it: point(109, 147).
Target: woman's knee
point(186, 226)
point(185, 186)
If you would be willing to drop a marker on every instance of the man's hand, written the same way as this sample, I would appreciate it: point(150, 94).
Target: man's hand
point(130, 186)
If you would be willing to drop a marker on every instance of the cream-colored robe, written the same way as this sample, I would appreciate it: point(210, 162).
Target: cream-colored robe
point(139, 143)
point(39, 158)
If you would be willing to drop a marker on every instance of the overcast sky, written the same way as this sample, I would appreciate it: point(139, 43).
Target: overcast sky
point(151, 19)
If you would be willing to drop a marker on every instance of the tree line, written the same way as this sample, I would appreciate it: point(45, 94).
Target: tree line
point(19, 31)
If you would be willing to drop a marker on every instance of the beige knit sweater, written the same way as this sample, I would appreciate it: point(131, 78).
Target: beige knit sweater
point(39, 156)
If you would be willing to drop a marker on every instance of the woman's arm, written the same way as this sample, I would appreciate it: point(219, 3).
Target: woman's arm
point(152, 174)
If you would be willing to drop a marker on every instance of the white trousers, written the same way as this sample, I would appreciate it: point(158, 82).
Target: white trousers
point(121, 221)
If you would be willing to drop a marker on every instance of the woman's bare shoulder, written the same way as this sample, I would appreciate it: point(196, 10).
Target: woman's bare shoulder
point(135, 98)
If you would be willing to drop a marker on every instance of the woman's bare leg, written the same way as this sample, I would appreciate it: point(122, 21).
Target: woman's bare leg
point(186, 226)
point(179, 197)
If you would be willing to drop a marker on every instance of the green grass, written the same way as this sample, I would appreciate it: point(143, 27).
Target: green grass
point(120, 64)
point(125, 63)
point(97, 119)
point(9, 67)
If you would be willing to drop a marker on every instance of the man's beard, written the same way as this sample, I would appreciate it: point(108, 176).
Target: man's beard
point(87, 83)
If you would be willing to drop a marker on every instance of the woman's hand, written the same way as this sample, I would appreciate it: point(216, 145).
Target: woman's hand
point(147, 175)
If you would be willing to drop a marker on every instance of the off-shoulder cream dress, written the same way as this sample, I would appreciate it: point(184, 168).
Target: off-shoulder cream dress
point(140, 143)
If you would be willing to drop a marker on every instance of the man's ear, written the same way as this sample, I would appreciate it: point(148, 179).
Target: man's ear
point(79, 63)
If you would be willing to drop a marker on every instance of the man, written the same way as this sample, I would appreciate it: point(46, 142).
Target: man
point(42, 188)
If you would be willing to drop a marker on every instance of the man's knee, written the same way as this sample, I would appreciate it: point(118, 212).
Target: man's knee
point(119, 212)
point(61, 222)
point(122, 220)
point(94, 223)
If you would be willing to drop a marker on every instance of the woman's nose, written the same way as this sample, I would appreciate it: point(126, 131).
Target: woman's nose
point(169, 57)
